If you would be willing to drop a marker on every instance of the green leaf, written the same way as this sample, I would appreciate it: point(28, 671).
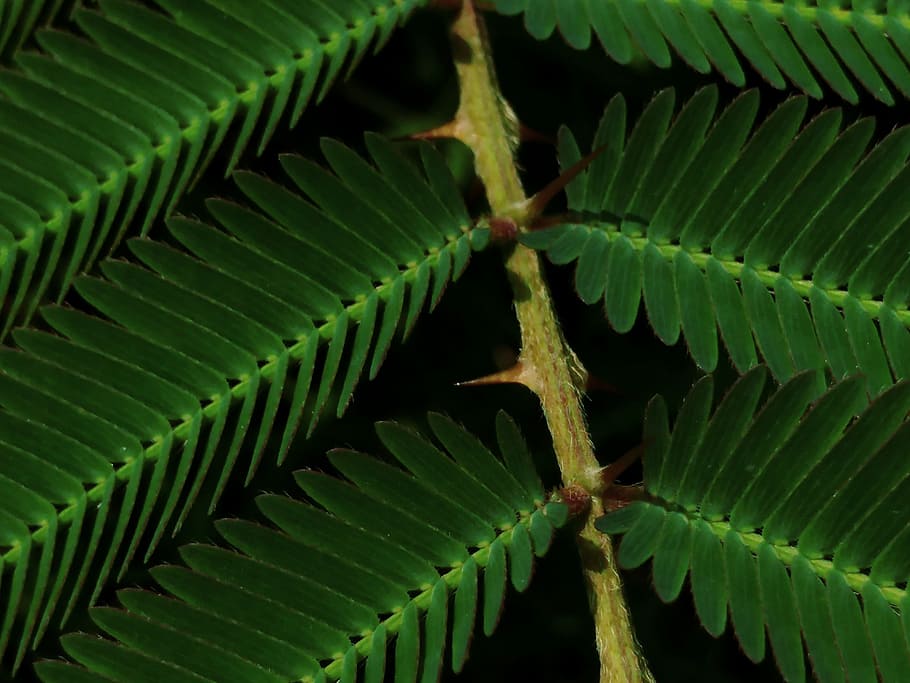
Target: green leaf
point(494, 586)
point(709, 582)
point(464, 612)
point(101, 163)
point(856, 35)
point(375, 669)
point(21, 19)
point(679, 35)
point(888, 641)
point(623, 286)
point(693, 418)
point(785, 512)
point(435, 633)
point(323, 590)
point(745, 596)
point(780, 614)
point(517, 457)
point(671, 559)
point(731, 315)
point(816, 622)
point(643, 31)
point(641, 539)
point(623, 519)
point(769, 332)
point(591, 274)
point(541, 532)
point(473, 457)
point(786, 238)
point(190, 392)
point(638, 155)
point(521, 558)
point(816, 434)
point(659, 285)
point(657, 438)
point(697, 315)
point(407, 647)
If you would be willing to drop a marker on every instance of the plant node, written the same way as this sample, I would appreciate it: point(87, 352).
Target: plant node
point(503, 229)
point(576, 498)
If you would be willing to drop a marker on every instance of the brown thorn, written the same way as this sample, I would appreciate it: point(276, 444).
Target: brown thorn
point(526, 134)
point(575, 498)
point(535, 205)
point(450, 129)
point(595, 383)
point(520, 373)
point(611, 472)
point(544, 222)
point(618, 497)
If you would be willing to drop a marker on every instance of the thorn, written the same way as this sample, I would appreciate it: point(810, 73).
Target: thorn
point(526, 134)
point(451, 129)
point(544, 222)
point(520, 373)
point(534, 206)
point(595, 383)
point(620, 496)
point(611, 472)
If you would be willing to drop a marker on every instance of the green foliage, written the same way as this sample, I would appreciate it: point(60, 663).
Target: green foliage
point(329, 585)
point(113, 405)
point(20, 18)
point(715, 228)
point(788, 511)
point(102, 136)
point(164, 355)
point(870, 40)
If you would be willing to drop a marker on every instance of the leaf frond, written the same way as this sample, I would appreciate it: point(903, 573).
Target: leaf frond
point(719, 226)
point(19, 19)
point(791, 513)
point(844, 44)
point(108, 132)
point(338, 588)
point(190, 357)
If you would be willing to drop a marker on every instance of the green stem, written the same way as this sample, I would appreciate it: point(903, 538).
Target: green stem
point(548, 366)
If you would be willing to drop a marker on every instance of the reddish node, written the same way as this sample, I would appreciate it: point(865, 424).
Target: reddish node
point(503, 229)
point(576, 498)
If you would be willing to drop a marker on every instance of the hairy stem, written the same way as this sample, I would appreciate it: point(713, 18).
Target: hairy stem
point(549, 367)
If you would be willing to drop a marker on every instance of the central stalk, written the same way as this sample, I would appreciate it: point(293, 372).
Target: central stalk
point(486, 123)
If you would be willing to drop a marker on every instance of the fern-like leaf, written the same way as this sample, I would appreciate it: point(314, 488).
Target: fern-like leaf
point(717, 228)
point(20, 18)
point(779, 39)
point(190, 347)
point(107, 133)
point(331, 586)
point(793, 514)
